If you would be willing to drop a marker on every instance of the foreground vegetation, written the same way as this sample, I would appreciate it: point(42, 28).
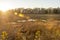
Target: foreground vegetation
point(38, 30)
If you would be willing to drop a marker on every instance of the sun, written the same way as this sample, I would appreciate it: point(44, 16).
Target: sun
point(5, 6)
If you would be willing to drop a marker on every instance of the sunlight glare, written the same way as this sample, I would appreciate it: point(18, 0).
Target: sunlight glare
point(21, 15)
point(5, 6)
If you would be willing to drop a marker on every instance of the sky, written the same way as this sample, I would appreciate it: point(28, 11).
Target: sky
point(28, 3)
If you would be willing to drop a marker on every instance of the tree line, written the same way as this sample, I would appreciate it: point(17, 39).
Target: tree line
point(37, 10)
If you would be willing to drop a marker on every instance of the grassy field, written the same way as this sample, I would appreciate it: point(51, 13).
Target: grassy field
point(46, 27)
